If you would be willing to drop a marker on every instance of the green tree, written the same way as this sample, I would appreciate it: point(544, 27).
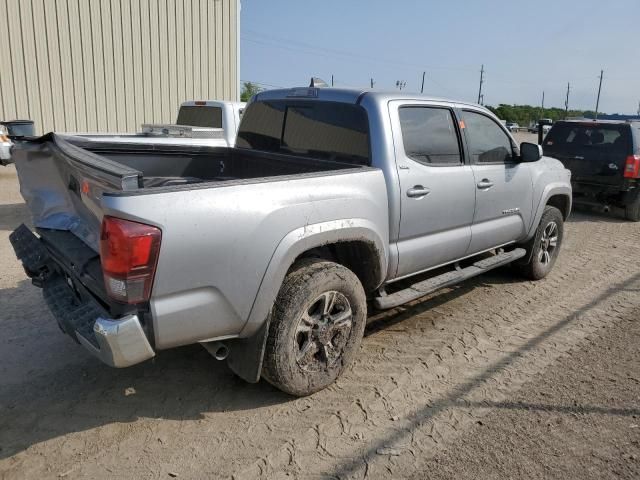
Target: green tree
point(525, 115)
point(249, 89)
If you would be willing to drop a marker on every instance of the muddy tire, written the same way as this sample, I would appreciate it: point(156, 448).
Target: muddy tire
point(632, 210)
point(545, 245)
point(316, 327)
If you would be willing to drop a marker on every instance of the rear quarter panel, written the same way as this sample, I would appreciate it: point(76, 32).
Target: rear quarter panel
point(219, 240)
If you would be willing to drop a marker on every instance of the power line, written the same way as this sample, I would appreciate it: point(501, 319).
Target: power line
point(286, 44)
point(431, 79)
point(273, 41)
point(481, 82)
point(599, 89)
point(262, 83)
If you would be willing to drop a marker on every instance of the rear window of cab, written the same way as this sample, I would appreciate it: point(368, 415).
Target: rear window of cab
point(588, 136)
point(326, 130)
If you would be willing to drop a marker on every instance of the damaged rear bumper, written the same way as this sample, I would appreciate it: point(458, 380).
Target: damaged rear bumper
point(118, 342)
point(121, 342)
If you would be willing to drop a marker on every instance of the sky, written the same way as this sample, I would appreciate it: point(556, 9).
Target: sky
point(527, 47)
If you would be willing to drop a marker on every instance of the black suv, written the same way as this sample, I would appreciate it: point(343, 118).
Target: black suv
point(604, 159)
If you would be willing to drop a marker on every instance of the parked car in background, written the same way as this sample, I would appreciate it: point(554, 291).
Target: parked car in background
point(5, 146)
point(269, 253)
point(604, 159)
point(512, 126)
point(534, 128)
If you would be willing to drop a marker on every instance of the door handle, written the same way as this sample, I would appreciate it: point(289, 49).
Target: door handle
point(485, 184)
point(418, 191)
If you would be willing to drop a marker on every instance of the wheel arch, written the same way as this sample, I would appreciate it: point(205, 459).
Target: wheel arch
point(340, 238)
point(562, 202)
point(359, 256)
point(353, 243)
point(557, 195)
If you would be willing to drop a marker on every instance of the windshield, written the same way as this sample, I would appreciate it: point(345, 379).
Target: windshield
point(328, 130)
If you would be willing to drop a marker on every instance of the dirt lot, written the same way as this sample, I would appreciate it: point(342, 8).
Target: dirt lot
point(497, 378)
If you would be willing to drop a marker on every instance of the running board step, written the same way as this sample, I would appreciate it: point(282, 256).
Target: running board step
point(448, 279)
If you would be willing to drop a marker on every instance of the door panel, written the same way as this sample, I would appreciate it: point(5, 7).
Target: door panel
point(504, 193)
point(503, 211)
point(436, 228)
point(437, 190)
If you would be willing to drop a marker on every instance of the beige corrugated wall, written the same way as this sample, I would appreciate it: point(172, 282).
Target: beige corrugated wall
point(110, 65)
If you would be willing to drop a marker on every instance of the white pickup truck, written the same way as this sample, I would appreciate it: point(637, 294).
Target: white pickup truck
point(210, 123)
point(200, 123)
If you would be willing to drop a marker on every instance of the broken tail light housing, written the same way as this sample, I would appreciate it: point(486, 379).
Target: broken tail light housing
point(632, 166)
point(129, 255)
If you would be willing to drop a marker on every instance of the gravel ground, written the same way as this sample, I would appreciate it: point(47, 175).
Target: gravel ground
point(578, 419)
point(495, 378)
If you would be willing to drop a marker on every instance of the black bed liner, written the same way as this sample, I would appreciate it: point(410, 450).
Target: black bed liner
point(170, 165)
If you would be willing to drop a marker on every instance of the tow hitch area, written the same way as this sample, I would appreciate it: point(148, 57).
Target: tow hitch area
point(119, 342)
point(34, 257)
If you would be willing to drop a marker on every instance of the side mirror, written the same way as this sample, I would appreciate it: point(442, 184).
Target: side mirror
point(530, 152)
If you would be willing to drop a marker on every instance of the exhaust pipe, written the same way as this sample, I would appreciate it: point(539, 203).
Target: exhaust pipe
point(606, 209)
point(218, 350)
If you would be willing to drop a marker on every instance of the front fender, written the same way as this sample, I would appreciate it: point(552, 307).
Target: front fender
point(301, 240)
point(550, 190)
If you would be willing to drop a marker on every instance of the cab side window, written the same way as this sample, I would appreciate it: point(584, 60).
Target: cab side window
point(429, 135)
point(487, 142)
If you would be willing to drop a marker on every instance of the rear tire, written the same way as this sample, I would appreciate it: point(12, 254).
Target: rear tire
point(632, 210)
point(545, 245)
point(316, 327)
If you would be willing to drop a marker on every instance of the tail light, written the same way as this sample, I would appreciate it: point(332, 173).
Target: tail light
point(128, 253)
point(632, 166)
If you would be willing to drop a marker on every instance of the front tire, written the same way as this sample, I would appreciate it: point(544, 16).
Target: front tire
point(316, 327)
point(545, 245)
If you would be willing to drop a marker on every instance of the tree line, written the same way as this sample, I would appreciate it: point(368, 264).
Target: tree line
point(526, 115)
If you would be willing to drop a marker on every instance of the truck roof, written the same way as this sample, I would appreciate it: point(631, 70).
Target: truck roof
point(351, 95)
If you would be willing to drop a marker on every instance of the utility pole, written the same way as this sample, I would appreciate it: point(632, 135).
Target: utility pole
point(566, 102)
point(372, 83)
point(639, 108)
point(422, 88)
point(542, 112)
point(599, 89)
point(332, 80)
point(481, 82)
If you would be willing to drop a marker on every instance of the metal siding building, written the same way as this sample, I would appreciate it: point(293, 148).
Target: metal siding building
point(110, 65)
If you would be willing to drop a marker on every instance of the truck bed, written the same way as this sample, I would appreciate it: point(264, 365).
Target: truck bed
point(63, 180)
point(169, 165)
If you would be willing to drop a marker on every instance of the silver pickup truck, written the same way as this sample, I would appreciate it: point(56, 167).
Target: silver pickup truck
point(270, 254)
